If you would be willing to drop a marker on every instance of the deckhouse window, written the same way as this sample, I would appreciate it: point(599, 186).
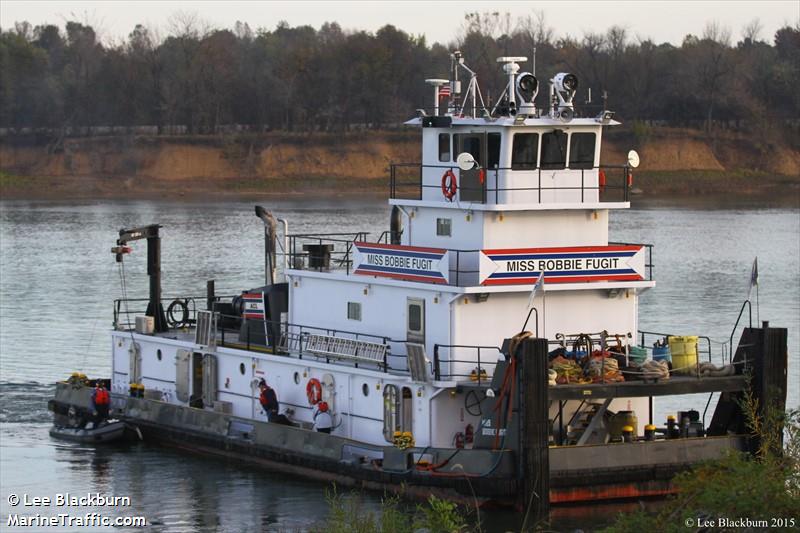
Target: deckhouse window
point(581, 150)
point(354, 310)
point(554, 150)
point(415, 317)
point(444, 147)
point(444, 227)
point(524, 151)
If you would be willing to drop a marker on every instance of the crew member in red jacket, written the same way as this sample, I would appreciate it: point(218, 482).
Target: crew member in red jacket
point(101, 401)
point(268, 401)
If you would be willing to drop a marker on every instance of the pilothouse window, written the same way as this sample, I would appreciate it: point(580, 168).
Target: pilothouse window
point(469, 143)
point(554, 150)
point(444, 147)
point(525, 151)
point(581, 150)
point(493, 149)
point(472, 143)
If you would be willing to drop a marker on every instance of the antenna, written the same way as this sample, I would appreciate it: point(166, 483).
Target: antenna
point(511, 67)
point(534, 60)
point(438, 92)
point(456, 59)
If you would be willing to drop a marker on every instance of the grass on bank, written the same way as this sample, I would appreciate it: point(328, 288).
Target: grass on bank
point(347, 515)
point(13, 181)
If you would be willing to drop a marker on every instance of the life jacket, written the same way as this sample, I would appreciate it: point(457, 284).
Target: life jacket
point(101, 396)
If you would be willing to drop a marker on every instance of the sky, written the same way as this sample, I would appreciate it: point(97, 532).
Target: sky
point(439, 21)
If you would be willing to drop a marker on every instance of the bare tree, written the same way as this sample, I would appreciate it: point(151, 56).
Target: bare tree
point(536, 29)
point(715, 32)
point(752, 31)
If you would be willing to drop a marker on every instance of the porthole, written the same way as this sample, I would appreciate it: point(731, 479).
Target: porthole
point(158, 354)
point(365, 389)
point(241, 368)
point(297, 378)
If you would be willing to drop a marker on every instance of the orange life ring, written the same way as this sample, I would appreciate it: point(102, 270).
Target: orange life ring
point(482, 176)
point(314, 391)
point(449, 185)
point(602, 179)
point(630, 178)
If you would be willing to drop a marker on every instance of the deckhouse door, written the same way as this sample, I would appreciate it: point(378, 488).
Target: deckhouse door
point(471, 187)
point(415, 320)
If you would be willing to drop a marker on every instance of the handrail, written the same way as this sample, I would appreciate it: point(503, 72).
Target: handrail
point(191, 303)
point(293, 339)
point(736, 325)
point(648, 262)
point(417, 181)
point(658, 334)
point(437, 362)
point(456, 271)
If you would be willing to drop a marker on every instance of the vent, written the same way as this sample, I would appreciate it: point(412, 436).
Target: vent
point(417, 361)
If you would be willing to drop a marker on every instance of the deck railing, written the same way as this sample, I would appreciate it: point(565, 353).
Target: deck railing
point(406, 182)
point(302, 341)
point(180, 311)
point(463, 264)
point(450, 362)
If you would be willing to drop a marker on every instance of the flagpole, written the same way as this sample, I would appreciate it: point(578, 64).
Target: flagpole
point(544, 312)
point(539, 284)
point(758, 309)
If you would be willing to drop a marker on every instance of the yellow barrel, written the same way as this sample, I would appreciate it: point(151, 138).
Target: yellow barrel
point(684, 354)
point(619, 421)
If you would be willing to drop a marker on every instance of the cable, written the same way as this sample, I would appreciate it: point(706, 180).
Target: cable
point(94, 325)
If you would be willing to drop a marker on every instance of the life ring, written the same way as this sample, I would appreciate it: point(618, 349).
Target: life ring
point(449, 185)
point(482, 176)
point(630, 178)
point(314, 391)
point(602, 179)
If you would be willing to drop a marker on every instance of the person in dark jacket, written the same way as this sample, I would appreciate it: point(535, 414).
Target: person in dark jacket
point(269, 403)
point(268, 400)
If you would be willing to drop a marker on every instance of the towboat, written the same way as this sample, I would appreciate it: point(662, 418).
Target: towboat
point(485, 346)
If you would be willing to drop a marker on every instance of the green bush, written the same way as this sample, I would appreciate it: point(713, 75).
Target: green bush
point(761, 487)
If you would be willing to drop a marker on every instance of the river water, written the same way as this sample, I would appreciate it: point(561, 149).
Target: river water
point(58, 279)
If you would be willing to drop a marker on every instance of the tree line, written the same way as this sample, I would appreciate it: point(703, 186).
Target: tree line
point(302, 78)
